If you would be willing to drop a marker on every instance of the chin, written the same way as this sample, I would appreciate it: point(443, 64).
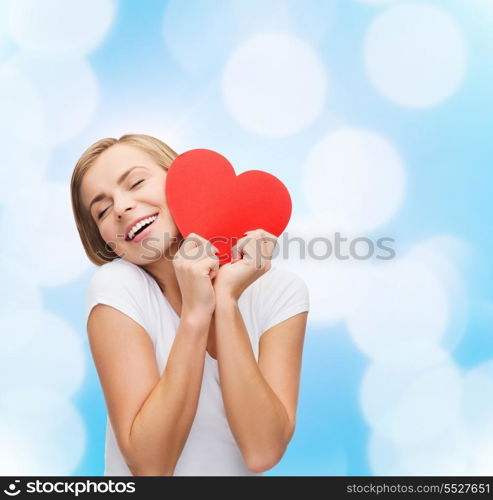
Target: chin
point(140, 260)
point(153, 251)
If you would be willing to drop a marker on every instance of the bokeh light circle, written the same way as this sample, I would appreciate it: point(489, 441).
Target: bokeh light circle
point(61, 28)
point(415, 55)
point(274, 85)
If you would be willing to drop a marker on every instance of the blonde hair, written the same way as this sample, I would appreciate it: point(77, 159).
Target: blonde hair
point(95, 247)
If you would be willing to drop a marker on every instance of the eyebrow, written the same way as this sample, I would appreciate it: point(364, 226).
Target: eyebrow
point(119, 181)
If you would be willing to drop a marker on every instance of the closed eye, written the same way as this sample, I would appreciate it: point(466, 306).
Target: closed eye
point(136, 184)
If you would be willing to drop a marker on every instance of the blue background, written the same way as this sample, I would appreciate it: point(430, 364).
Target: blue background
point(446, 147)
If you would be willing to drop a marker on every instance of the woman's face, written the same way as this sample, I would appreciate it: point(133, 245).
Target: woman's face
point(131, 185)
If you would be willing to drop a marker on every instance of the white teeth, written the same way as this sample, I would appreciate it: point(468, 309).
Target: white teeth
point(137, 226)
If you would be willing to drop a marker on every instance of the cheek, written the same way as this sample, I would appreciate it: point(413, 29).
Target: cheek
point(110, 236)
point(107, 233)
point(158, 198)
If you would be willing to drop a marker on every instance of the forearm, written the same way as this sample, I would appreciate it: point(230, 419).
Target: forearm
point(257, 417)
point(161, 427)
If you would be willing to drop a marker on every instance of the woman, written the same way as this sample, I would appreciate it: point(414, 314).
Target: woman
point(199, 364)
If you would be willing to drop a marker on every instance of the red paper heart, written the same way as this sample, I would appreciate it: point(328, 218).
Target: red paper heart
point(206, 197)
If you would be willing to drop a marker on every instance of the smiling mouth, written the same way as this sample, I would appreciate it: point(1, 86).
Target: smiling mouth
point(141, 229)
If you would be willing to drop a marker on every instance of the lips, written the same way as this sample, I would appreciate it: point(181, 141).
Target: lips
point(132, 224)
point(144, 233)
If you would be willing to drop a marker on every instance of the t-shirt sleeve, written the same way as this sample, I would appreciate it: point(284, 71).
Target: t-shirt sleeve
point(118, 286)
point(284, 294)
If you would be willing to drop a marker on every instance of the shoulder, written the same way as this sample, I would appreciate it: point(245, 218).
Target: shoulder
point(119, 281)
point(281, 280)
point(124, 286)
point(117, 272)
point(279, 294)
point(277, 288)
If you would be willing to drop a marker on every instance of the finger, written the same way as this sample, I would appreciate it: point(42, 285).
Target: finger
point(262, 233)
point(268, 242)
point(268, 245)
point(266, 234)
point(196, 238)
point(240, 244)
point(211, 248)
point(249, 249)
point(259, 250)
point(234, 254)
point(191, 241)
point(251, 255)
point(198, 247)
point(246, 247)
point(211, 266)
point(265, 242)
point(215, 267)
point(236, 251)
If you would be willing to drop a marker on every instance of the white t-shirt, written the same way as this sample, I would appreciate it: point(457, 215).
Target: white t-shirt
point(210, 449)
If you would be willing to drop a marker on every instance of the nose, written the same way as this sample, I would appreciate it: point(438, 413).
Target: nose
point(120, 215)
point(121, 205)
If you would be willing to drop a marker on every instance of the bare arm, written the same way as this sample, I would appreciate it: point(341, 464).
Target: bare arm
point(260, 399)
point(150, 414)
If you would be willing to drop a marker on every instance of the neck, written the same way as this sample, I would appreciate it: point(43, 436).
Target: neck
point(163, 272)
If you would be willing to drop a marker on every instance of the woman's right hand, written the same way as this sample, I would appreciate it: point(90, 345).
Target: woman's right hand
point(196, 265)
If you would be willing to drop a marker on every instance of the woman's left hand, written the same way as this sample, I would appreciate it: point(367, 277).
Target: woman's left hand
point(250, 259)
